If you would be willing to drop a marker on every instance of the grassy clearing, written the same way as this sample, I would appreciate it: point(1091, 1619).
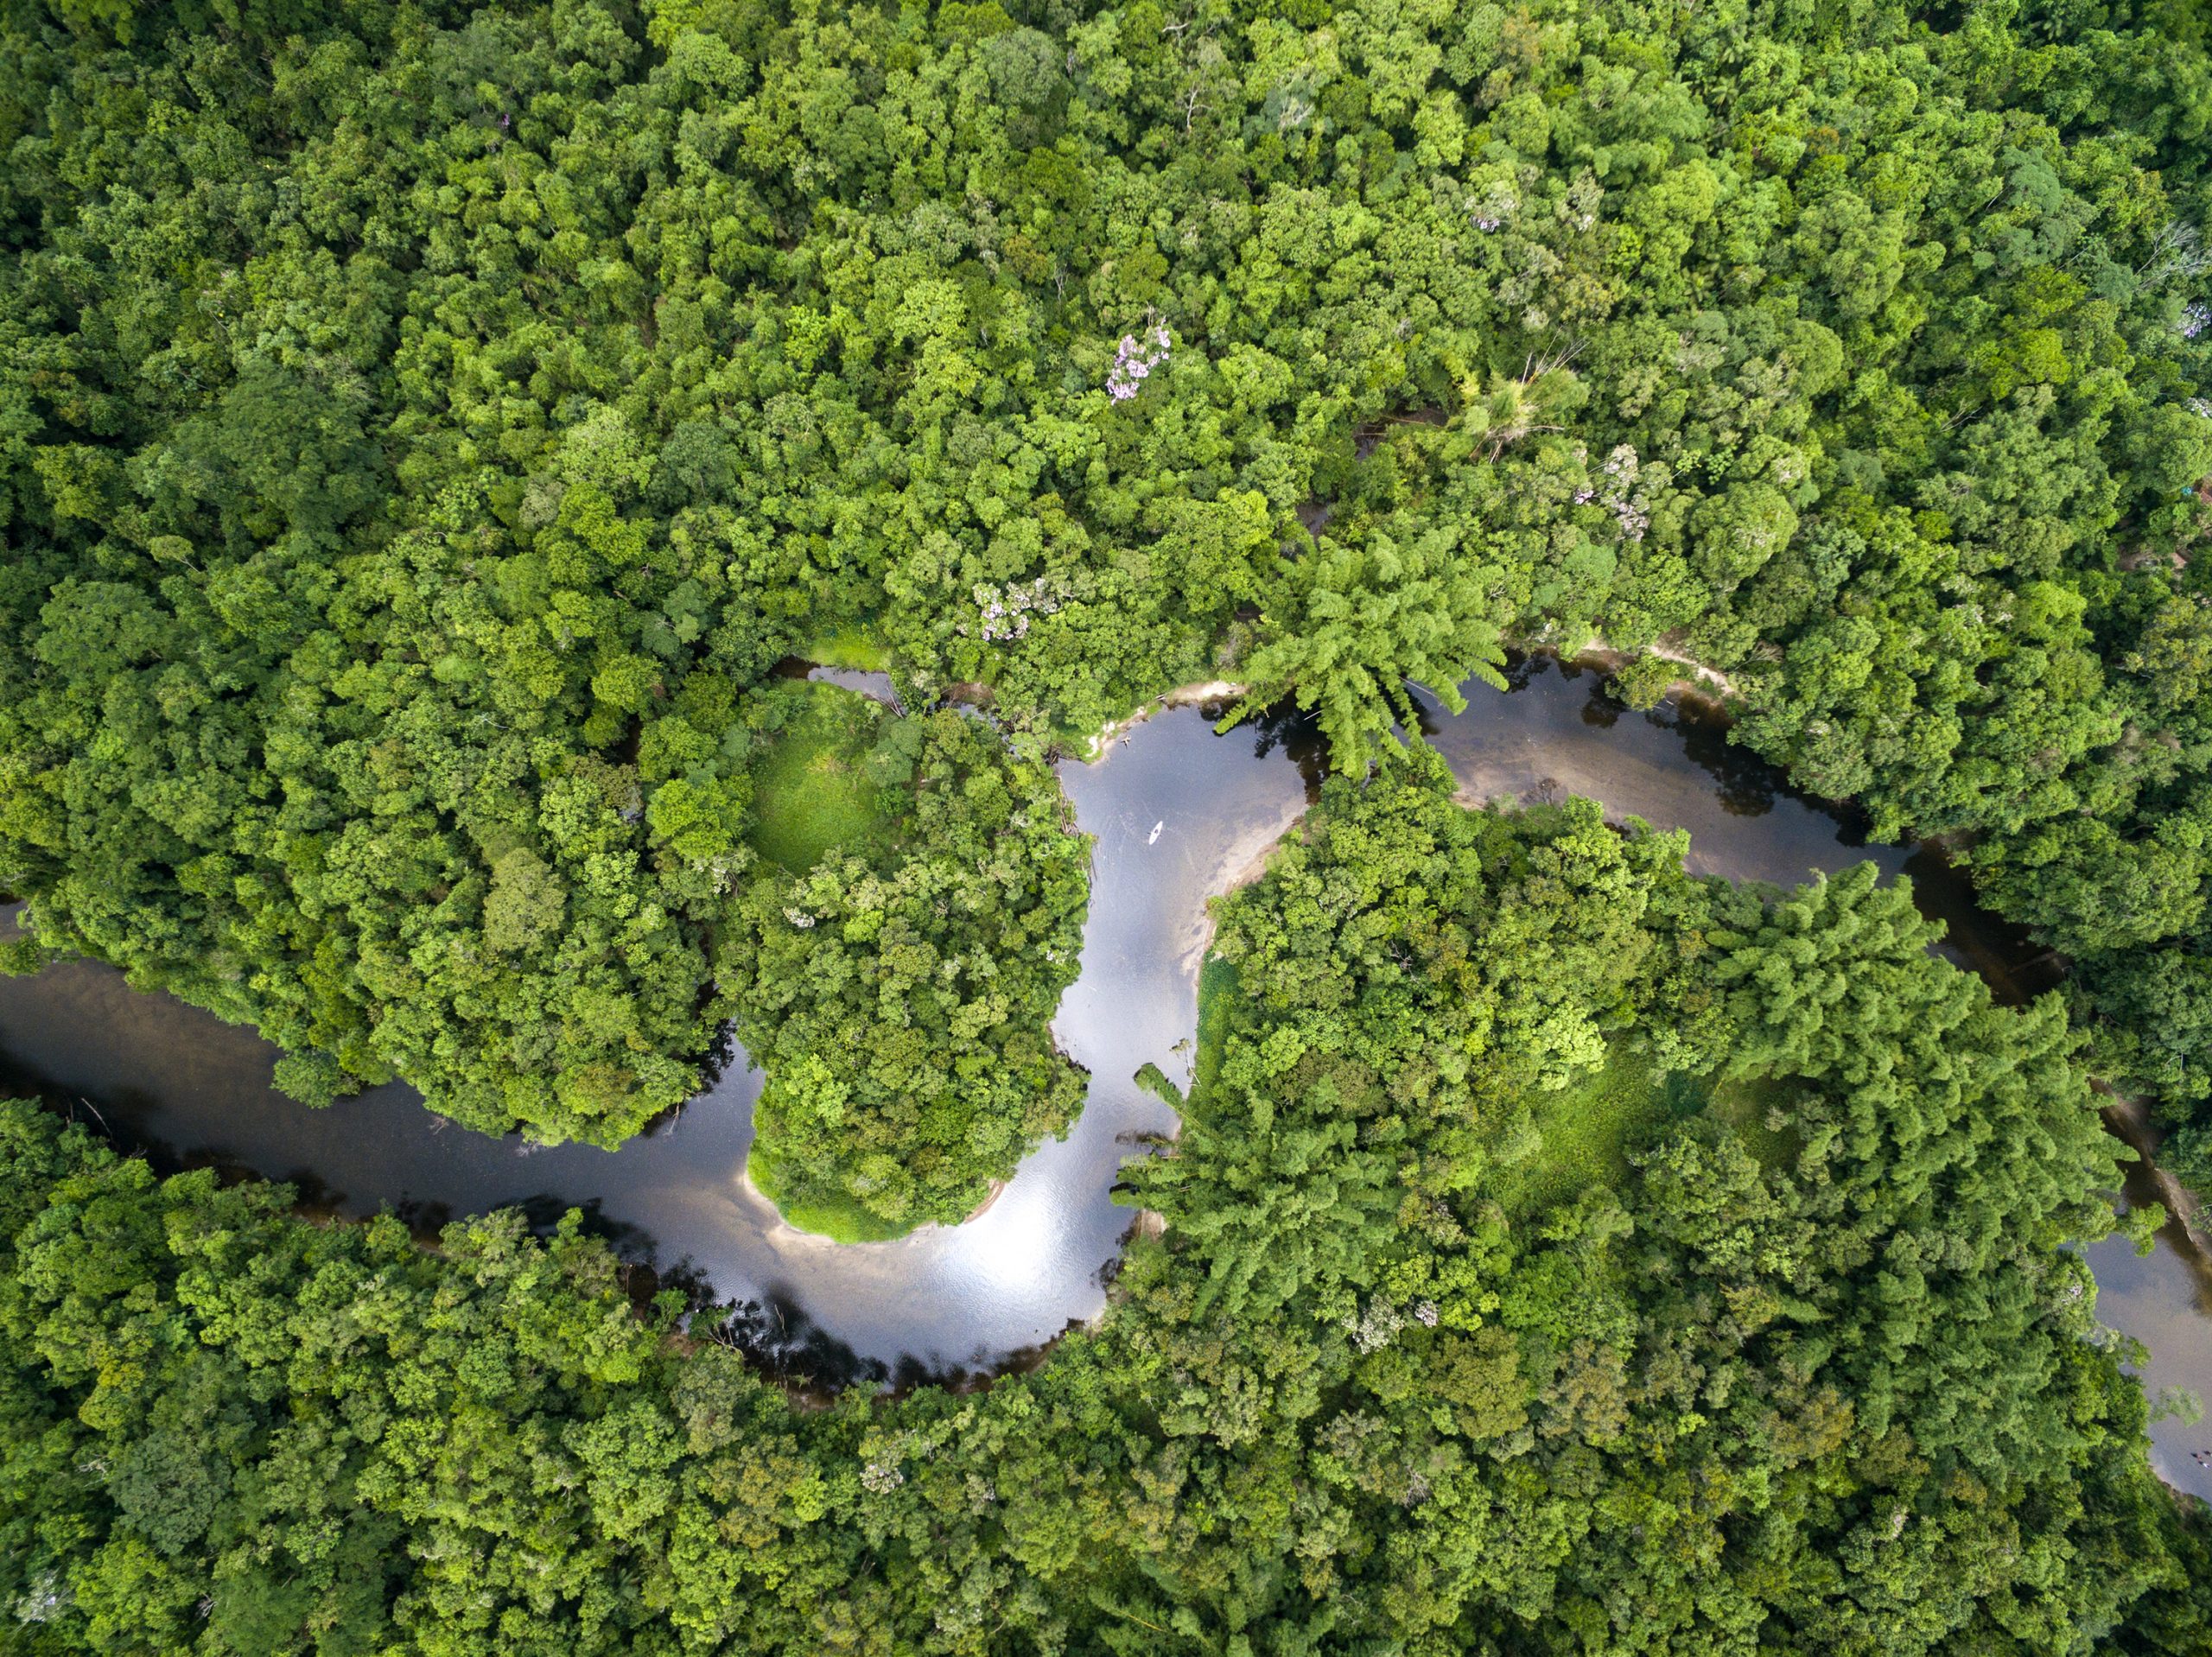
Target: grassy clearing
point(810, 792)
point(1216, 1005)
point(1592, 1127)
point(1589, 1127)
point(1743, 1104)
point(847, 647)
point(846, 1221)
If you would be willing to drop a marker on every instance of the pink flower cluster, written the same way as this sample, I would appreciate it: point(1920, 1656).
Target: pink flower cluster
point(1133, 362)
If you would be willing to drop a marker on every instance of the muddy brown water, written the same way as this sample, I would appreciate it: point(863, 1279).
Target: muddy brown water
point(1177, 812)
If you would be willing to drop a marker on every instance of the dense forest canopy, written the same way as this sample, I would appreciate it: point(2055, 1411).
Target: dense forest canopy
point(422, 424)
point(423, 429)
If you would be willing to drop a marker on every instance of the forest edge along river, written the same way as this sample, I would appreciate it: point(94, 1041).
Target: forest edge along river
point(1179, 814)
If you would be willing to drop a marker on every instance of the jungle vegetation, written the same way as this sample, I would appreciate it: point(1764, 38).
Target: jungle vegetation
point(895, 970)
point(1828, 1381)
point(425, 426)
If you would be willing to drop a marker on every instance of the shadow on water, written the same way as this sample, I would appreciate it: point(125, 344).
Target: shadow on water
point(774, 1332)
point(876, 687)
point(1177, 813)
point(1287, 731)
point(1743, 783)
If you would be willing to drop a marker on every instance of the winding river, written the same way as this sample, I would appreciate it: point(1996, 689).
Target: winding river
point(1179, 814)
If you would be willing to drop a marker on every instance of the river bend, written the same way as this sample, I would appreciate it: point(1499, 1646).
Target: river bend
point(1179, 815)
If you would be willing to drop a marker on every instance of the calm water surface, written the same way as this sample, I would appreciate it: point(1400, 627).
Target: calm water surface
point(1178, 813)
point(2163, 1300)
point(939, 1301)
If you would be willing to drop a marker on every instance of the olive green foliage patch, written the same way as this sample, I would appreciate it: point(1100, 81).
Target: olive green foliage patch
point(1758, 1110)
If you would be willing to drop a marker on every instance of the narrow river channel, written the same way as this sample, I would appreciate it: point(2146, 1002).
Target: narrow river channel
point(1179, 814)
